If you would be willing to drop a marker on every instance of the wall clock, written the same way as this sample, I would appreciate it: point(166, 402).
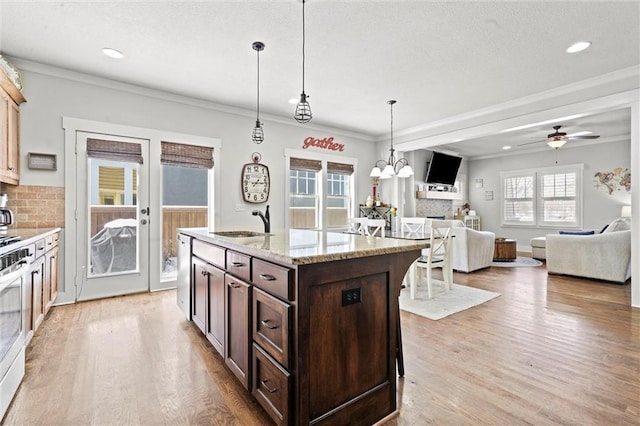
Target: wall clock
point(255, 182)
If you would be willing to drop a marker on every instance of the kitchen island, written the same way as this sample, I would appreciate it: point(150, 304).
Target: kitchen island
point(307, 320)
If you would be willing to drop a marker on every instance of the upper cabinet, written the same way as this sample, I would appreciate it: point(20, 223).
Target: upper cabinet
point(10, 99)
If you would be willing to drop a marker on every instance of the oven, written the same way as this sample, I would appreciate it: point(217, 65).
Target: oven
point(13, 267)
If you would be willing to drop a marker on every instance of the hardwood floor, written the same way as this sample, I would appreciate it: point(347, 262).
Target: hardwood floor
point(550, 350)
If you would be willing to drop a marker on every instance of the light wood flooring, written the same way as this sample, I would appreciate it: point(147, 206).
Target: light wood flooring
point(550, 350)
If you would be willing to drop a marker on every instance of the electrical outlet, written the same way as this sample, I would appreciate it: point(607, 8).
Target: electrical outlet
point(351, 296)
point(240, 207)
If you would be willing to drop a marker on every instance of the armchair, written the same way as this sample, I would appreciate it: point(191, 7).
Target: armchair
point(472, 250)
point(605, 256)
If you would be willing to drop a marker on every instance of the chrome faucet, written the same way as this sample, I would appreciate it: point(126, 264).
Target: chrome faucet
point(265, 219)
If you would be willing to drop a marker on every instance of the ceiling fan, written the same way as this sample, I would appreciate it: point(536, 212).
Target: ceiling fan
point(558, 139)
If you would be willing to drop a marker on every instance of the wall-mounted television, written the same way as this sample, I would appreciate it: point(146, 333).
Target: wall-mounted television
point(442, 169)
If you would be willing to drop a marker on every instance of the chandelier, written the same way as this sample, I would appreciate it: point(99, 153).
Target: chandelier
point(392, 166)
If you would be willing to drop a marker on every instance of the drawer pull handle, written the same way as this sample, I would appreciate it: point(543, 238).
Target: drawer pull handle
point(264, 383)
point(238, 264)
point(267, 277)
point(204, 273)
point(234, 285)
point(267, 324)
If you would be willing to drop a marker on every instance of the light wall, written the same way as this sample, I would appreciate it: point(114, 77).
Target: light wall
point(599, 208)
point(49, 98)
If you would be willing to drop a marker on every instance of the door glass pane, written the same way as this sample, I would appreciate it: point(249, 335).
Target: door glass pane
point(113, 221)
point(184, 205)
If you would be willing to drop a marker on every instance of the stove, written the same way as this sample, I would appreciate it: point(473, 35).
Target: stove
point(5, 240)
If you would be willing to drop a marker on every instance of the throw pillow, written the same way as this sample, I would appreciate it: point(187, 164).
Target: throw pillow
point(576, 232)
point(620, 224)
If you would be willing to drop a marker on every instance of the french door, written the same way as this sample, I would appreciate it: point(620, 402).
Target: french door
point(112, 201)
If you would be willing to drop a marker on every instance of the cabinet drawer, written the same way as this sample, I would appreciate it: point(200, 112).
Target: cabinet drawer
point(32, 252)
point(40, 247)
point(271, 325)
point(239, 264)
point(51, 242)
point(275, 279)
point(271, 386)
point(212, 254)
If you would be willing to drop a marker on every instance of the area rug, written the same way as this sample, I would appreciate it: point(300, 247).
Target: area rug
point(520, 261)
point(443, 303)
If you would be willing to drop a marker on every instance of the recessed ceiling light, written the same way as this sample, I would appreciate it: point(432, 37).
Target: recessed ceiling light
point(293, 101)
point(112, 53)
point(578, 47)
point(506, 147)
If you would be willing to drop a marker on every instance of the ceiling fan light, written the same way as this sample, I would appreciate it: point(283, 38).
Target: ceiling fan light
point(557, 142)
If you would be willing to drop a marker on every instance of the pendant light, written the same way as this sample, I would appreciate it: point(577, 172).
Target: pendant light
point(392, 166)
point(257, 136)
point(303, 110)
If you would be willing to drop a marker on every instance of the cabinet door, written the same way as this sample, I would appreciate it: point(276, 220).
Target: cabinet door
point(13, 142)
point(51, 277)
point(237, 336)
point(4, 137)
point(215, 306)
point(199, 282)
point(36, 279)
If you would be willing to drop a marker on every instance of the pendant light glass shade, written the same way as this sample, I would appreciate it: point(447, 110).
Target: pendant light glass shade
point(303, 110)
point(391, 167)
point(257, 135)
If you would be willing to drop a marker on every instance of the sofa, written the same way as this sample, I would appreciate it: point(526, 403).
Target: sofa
point(603, 256)
point(472, 250)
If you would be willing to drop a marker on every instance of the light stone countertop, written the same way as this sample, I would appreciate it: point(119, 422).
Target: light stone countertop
point(301, 246)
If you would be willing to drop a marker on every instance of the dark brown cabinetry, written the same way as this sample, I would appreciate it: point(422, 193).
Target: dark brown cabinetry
point(208, 302)
point(315, 343)
point(237, 337)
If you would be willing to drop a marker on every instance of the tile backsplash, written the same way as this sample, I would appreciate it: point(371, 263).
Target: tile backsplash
point(36, 206)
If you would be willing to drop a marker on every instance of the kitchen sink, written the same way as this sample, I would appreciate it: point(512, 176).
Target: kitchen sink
point(239, 234)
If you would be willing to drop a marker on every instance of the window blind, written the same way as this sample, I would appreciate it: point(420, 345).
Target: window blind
point(304, 164)
point(115, 151)
point(340, 168)
point(185, 155)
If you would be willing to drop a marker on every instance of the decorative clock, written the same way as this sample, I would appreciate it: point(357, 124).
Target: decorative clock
point(255, 182)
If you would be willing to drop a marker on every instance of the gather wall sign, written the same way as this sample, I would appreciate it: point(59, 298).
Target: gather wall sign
point(324, 143)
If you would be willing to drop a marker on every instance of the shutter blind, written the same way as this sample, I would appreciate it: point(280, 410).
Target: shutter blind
point(339, 168)
point(304, 164)
point(184, 155)
point(116, 151)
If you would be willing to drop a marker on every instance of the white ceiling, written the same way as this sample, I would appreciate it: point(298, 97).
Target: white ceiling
point(438, 59)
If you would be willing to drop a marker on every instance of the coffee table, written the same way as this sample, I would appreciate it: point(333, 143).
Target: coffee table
point(504, 250)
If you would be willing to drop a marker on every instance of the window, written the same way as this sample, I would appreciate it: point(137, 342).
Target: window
point(548, 197)
point(518, 196)
point(321, 193)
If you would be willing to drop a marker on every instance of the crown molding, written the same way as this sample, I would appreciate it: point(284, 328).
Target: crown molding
point(76, 76)
point(430, 129)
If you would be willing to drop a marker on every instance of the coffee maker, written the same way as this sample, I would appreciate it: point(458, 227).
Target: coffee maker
point(6, 216)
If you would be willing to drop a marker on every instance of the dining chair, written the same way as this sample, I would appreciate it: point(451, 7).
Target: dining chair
point(413, 224)
point(438, 255)
point(357, 225)
point(376, 226)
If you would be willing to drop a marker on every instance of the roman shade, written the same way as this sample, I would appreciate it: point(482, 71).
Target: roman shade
point(304, 164)
point(340, 168)
point(184, 155)
point(115, 151)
